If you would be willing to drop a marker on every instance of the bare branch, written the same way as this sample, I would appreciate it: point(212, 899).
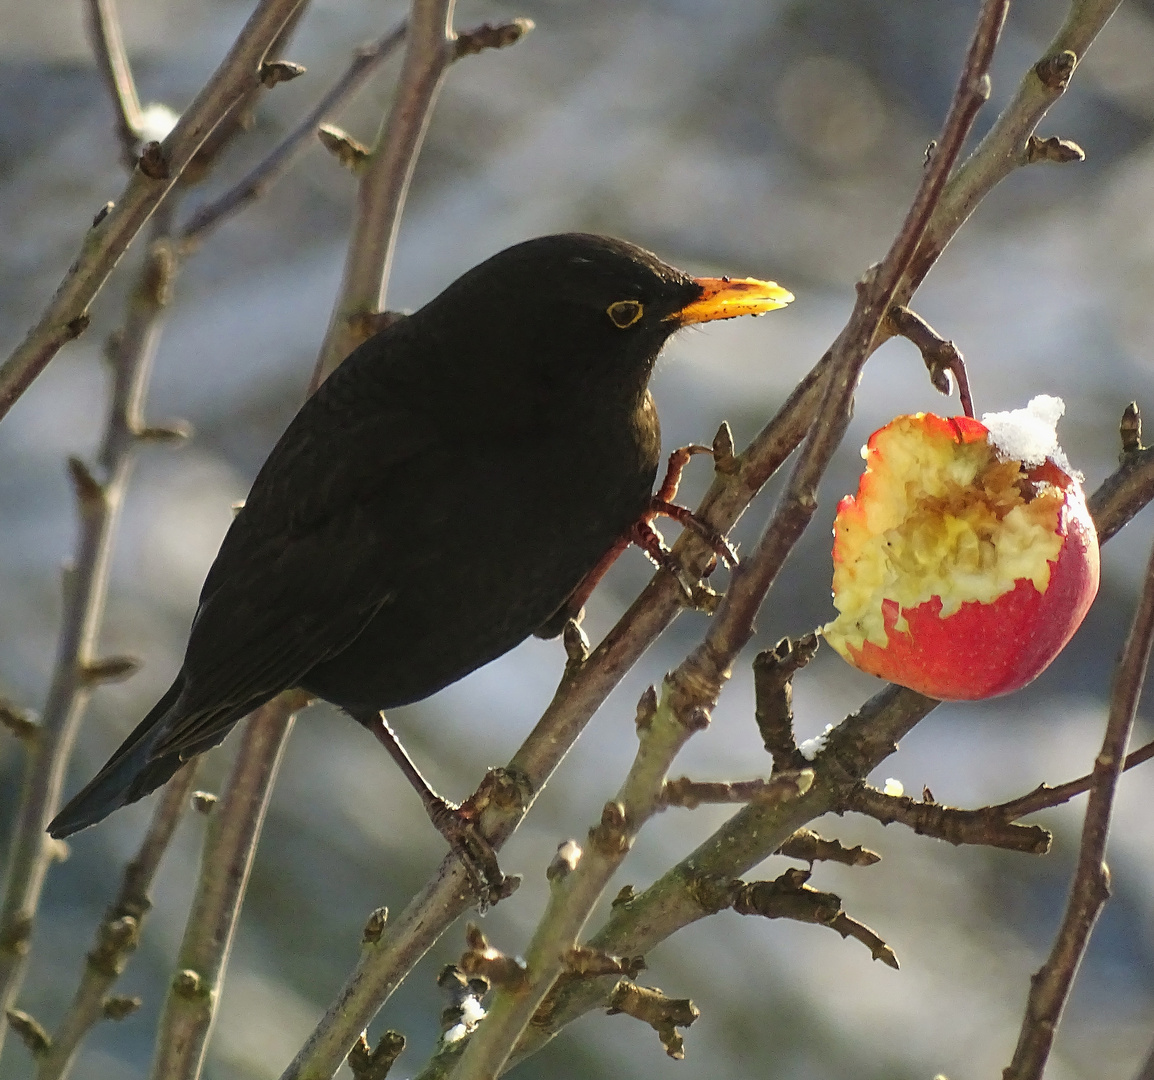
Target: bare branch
point(809, 847)
point(985, 826)
point(1050, 987)
point(574, 893)
point(230, 843)
point(1044, 796)
point(639, 922)
point(790, 897)
point(111, 58)
point(664, 1014)
point(690, 794)
point(942, 358)
point(66, 315)
point(730, 629)
point(365, 62)
point(445, 896)
point(773, 672)
point(385, 180)
point(77, 671)
point(118, 934)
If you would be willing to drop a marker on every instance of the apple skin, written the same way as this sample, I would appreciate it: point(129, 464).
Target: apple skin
point(985, 649)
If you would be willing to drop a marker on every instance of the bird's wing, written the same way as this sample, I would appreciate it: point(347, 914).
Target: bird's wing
point(291, 585)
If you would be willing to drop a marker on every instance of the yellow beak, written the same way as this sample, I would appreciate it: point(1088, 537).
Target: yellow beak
point(726, 298)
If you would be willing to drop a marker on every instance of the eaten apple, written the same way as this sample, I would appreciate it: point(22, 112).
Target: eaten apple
point(968, 557)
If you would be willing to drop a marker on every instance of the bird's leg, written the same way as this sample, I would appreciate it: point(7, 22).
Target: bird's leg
point(649, 540)
point(689, 520)
point(456, 824)
point(677, 462)
point(646, 537)
point(662, 504)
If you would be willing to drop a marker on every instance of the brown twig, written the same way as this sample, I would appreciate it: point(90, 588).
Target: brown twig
point(984, 826)
point(809, 847)
point(366, 61)
point(773, 672)
point(230, 843)
point(78, 669)
point(942, 358)
point(119, 933)
point(1003, 149)
point(188, 1012)
point(664, 1014)
point(576, 889)
point(429, 50)
point(853, 750)
point(366, 1064)
point(704, 672)
point(690, 794)
point(791, 897)
point(66, 315)
point(1050, 987)
point(112, 60)
point(1044, 796)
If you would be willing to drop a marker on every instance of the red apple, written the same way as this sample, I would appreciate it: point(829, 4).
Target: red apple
point(968, 558)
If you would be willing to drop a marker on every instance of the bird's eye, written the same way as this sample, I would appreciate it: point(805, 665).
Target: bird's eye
point(624, 313)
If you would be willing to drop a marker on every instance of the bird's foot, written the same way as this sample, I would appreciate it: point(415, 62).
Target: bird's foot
point(687, 519)
point(662, 503)
point(460, 826)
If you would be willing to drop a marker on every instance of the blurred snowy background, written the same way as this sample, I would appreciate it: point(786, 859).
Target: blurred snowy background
point(775, 139)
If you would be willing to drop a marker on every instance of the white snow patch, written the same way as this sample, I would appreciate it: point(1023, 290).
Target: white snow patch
point(1030, 435)
point(812, 747)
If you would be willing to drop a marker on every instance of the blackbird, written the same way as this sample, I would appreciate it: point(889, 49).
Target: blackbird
point(439, 498)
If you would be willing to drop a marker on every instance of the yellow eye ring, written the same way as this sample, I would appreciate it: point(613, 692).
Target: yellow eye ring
point(624, 313)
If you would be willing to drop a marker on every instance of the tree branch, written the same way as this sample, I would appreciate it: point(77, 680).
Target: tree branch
point(982, 826)
point(230, 844)
point(366, 61)
point(112, 60)
point(682, 896)
point(385, 180)
point(1090, 889)
point(586, 684)
point(119, 932)
point(66, 315)
point(77, 669)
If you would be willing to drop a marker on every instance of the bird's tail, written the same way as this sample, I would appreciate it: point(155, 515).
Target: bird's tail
point(130, 774)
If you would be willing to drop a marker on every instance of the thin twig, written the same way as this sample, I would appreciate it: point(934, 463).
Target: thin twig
point(233, 829)
point(119, 931)
point(942, 358)
point(111, 58)
point(366, 61)
point(704, 672)
point(385, 178)
point(981, 826)
point(78, 670)
point(1090, 889)
point(75, 673)
point(1005, 145)
point(66, 315)
point(1044, 796)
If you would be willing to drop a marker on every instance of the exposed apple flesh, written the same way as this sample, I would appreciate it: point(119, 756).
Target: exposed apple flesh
point(968, 558)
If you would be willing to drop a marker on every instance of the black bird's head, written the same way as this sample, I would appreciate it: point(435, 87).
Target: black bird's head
point(577, 315)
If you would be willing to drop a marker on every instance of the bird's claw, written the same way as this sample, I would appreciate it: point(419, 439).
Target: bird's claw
point(461, 830)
